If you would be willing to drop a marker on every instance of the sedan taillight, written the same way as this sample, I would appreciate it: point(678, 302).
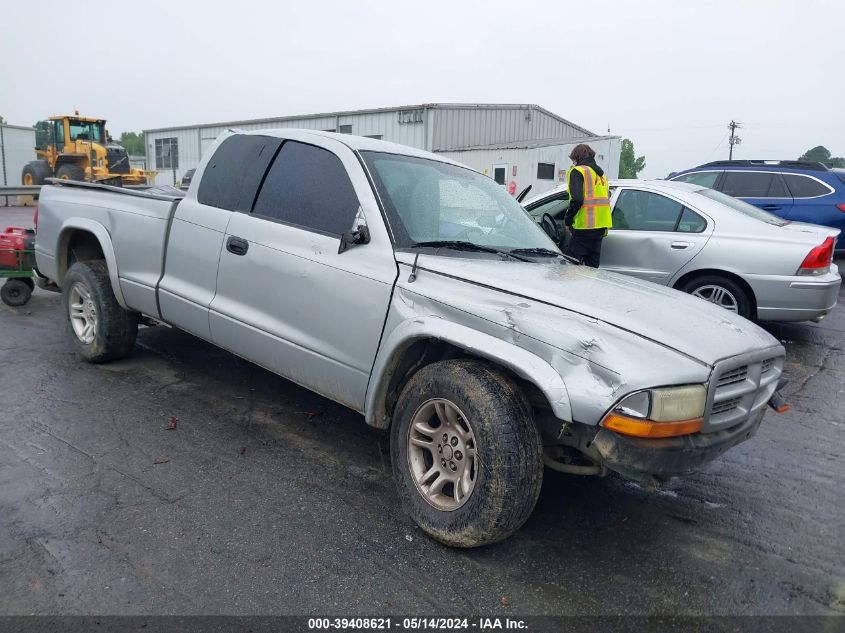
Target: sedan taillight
point(817, 261)
point(841, 207)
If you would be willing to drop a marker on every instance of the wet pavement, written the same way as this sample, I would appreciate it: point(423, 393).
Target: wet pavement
point(267, 499)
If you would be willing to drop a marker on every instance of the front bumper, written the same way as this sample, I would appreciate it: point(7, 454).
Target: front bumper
point(662, 458)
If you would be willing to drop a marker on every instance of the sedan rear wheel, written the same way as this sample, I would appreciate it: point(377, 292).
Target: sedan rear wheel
point(722, 291)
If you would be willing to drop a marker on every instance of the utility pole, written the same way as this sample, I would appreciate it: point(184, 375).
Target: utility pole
point(733, 126)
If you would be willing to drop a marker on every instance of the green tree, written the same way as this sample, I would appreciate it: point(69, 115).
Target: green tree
point(133, 142)
point(821, 154)
point(629, 163)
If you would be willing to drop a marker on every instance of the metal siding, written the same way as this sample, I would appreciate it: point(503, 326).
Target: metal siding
point(476, 127)
point(18, 149)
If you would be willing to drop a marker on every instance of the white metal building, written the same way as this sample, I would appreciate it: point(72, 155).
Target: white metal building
point(517, 144)
point(17, 148)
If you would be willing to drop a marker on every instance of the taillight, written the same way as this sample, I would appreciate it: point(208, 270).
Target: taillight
point(817, 261)
point(35, 218)
point(841, 207)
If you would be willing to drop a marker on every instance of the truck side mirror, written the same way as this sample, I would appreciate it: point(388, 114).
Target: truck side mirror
point(348, 239)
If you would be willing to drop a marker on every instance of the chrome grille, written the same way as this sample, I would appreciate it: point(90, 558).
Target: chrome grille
point(740, 387)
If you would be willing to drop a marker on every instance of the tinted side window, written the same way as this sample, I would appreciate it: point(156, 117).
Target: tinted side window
point(308, 186)
point(804, 187)
point(691, 222)
point(750, 184)
point(234, 172)
point(703, 178)
point(645, 211)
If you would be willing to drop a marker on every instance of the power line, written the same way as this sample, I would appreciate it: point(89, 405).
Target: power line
point(713, 151)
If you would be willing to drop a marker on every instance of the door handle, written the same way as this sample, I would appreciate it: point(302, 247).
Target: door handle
point(679, 246)
point(237, 246)
point(771, 207)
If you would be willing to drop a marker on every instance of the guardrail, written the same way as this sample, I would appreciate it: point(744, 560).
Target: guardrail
point(20, 190)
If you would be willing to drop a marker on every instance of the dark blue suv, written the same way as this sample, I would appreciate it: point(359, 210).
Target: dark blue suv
point(794, 190)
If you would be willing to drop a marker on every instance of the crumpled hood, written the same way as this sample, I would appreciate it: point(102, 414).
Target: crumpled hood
point(668, 317)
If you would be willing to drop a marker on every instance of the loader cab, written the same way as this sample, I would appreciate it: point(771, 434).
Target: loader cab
point(86, 130)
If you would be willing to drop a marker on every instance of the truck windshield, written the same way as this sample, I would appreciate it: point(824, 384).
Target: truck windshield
point(430, 201)
point(86, 131)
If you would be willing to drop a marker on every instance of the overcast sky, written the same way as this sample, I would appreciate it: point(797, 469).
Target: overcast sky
point(668, 75)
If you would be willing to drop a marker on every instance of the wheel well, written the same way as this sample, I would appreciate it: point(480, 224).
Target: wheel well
point(720, 273)
point(78, 245)
point(427, 351)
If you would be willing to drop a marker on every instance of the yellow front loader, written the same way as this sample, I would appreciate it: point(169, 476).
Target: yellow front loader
point(78, 148)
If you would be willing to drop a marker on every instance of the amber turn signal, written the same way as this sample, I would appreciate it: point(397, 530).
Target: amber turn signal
point(638, 427)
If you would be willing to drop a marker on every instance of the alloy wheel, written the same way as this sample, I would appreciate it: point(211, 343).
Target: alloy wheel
point(719, 295)
point(442, 454)
point(83, 313)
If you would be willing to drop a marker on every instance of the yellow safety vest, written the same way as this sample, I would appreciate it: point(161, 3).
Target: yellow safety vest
point(595, 211)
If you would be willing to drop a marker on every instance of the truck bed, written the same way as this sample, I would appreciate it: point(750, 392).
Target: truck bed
point(135, 220)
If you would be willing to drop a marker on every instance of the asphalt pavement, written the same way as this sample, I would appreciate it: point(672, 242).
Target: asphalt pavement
point(184, 480)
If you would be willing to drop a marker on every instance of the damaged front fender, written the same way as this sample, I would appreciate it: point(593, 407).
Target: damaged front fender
point(581, 365)
point(418, 328)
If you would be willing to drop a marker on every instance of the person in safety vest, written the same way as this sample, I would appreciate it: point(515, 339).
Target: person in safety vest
point(588, 216)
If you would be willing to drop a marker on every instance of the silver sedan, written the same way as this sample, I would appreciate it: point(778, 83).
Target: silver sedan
point(713, 246)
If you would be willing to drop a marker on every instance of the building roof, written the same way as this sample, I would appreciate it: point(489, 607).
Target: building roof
point(423, 106)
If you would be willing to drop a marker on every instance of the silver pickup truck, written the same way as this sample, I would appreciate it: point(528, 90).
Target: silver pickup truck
point(417, 292)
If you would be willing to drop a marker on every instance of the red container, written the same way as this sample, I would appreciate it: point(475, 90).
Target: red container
point(14, 240)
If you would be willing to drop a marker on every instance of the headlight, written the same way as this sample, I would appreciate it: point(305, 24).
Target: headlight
point(664, 412)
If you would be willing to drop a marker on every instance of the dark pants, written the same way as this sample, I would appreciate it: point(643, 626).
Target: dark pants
point(585, 246)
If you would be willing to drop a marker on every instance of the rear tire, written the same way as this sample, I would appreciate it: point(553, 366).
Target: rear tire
point(15, 292)
point(101, 330)
point(491, 461)
point(70, 172)
point(36, 172)
point(722, 291)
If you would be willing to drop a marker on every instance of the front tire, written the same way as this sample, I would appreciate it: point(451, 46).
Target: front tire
point(722, 291)
point(70, 172)
point(101, 330)
point(466, 454)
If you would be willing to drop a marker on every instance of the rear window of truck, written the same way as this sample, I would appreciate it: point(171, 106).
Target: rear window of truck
point(234, 172)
